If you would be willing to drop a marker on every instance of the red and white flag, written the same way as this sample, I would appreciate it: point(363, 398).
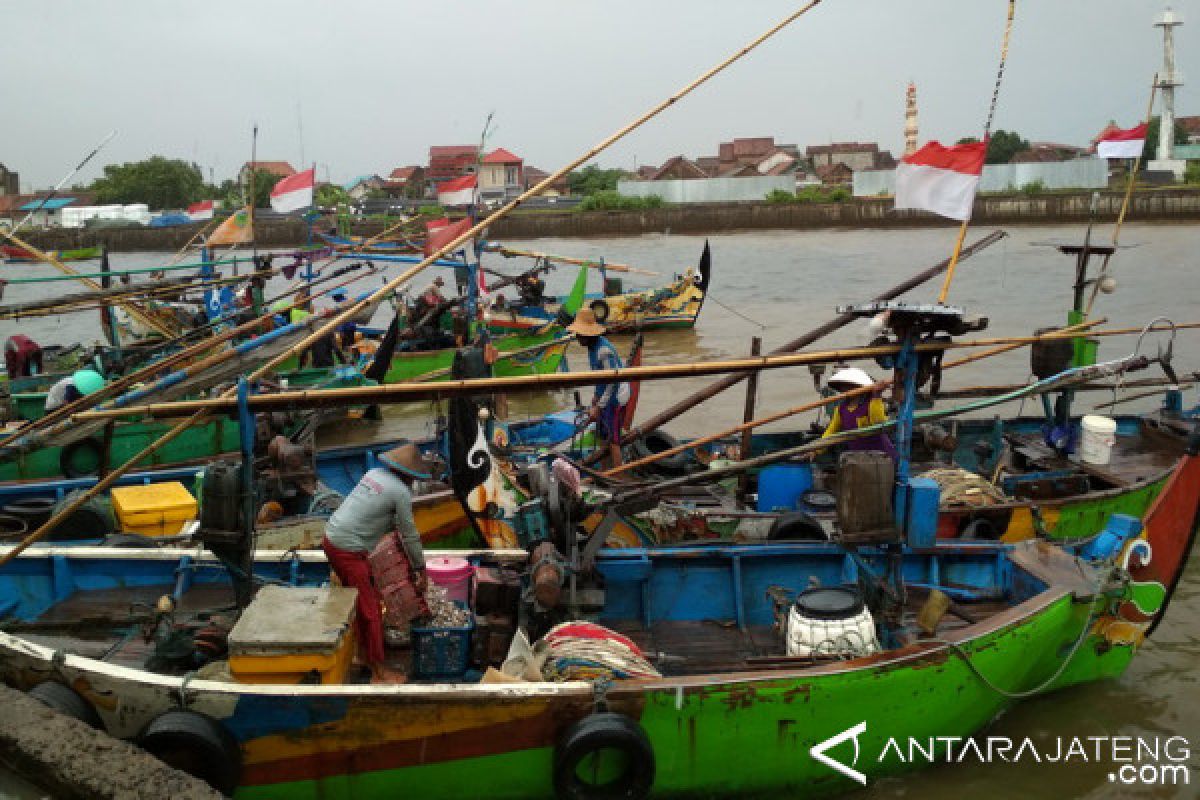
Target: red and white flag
point(1122, 144)
point(457, 192)
point(440, 232)
point(200, 211)
point(941, 179)
point(294, 192)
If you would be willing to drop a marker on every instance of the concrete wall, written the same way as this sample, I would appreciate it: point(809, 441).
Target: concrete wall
point(709, 190)
point(1081, 173)
point(865, 212)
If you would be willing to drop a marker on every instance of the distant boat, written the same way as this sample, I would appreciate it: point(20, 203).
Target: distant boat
point(674, 306)
point(20, 254)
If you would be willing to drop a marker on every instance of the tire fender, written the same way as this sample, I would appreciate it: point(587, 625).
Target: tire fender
point(68, 702)
point(66, 458)
point(196, 744)
point(604, 731)
point(796, 526)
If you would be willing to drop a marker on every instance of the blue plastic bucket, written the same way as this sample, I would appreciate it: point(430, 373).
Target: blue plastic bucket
point(780, 486)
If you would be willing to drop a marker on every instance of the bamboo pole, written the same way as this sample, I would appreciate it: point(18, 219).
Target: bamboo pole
point(114, 388)
point(750, 424)
point(513, 252)
point(1124, 207)
point(391, 286)
point(402, 392)
point(133, 310)
point(715, 388)
point(549, 180)
point(105, 297)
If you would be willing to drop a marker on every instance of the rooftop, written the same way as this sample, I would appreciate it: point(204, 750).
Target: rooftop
point(281, 168)
point(53, 204)
point(501, 156)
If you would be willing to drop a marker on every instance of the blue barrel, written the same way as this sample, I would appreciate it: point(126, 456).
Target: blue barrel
point(780, 486)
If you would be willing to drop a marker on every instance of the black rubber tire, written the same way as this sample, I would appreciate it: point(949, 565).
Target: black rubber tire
point(34, 510)
point(66, 459)
point(981, 529)
point(601, 310)
point(196, 744)
point(90, 521)
point(796, 526)
point(604, 731)
point(12, 527)
point(67, 702)
point(658, 441)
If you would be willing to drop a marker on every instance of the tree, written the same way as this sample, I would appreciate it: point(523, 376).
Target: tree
point(158, 182)
point(1150, 152)
point(330, 194)
point(592, 179)
point(262, 182)
point(1002, 146)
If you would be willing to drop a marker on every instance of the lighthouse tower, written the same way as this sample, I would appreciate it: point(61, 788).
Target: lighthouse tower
point(910, 120)
point(1168, 79)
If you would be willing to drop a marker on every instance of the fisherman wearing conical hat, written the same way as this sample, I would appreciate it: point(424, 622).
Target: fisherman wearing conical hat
point(73, 387)
point(379, 504)
point(860, 411)
point(609, 401)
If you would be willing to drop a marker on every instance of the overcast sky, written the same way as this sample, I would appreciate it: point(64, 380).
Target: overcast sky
point(373, 84)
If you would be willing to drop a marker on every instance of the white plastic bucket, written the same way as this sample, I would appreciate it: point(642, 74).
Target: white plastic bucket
point(1099, 436)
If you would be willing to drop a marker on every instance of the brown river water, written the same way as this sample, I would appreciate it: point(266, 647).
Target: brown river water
point(779, 284)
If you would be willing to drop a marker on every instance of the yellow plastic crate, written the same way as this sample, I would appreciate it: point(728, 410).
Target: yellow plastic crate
point(157, 509)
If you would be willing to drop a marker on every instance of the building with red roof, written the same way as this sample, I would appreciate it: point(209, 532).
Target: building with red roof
point(280, 169)
point(501, 175)
point(451, 161)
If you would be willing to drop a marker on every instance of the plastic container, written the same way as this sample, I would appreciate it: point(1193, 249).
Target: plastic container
point(1099, 436)
point(442, 653)
point(780, 486)
point(156, 509)
point(453, 574)
point(289, 634)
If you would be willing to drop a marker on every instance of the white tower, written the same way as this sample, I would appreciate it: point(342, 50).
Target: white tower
point(910, 120)
point(1168, 79)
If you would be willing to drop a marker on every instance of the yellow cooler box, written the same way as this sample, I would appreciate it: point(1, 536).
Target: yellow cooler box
point(290, 634)
point(158, 509)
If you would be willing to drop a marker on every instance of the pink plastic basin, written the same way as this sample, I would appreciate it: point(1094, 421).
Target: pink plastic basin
point(454, 574)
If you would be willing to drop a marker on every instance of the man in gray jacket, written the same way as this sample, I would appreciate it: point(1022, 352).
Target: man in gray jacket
point(379, 504)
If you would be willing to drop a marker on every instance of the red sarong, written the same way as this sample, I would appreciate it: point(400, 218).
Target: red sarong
point(354, 571)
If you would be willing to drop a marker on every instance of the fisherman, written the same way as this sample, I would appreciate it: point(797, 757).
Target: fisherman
point(859, 411)
point(73, 387)
point(432, 297)
point(609, 401)
point(379, 504)
point(347, 329)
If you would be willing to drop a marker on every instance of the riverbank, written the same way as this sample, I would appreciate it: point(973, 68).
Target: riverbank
point(1161, 205)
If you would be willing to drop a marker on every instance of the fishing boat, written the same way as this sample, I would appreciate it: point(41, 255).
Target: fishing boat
point(13, 254)
point(674, 306)
point(725, 684)
point(366, 244)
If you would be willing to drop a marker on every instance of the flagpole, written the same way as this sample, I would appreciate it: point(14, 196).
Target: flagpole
point(987, 130)
point(1137, 162)
point(253, 187)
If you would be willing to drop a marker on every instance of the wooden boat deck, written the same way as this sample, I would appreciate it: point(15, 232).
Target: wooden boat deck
point(1135, 458)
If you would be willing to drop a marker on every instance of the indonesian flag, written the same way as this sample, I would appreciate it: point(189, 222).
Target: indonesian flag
point(440, 232)
point(457, 192)
point(238, 229)
point(294, 192)
point(200, 211)
point(1122, 144)
point(941, 179)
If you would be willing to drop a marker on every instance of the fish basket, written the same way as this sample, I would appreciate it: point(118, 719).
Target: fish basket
point(442, 654)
